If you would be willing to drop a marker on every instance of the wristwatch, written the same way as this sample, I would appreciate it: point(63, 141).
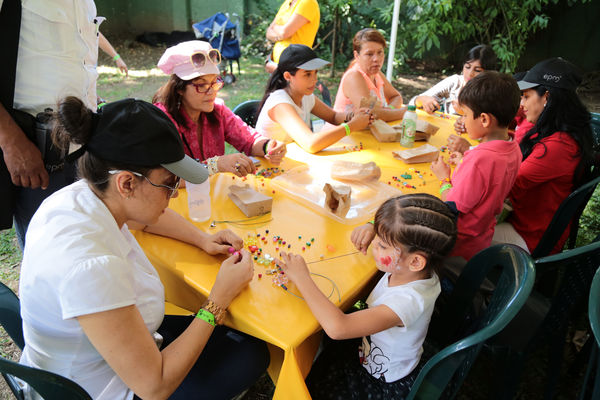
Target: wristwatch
point(217, 311)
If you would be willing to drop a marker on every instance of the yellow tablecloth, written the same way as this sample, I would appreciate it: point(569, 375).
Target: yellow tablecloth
point(264, 310)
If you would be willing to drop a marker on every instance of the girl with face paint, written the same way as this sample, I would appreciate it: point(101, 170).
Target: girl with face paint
point(412, 234)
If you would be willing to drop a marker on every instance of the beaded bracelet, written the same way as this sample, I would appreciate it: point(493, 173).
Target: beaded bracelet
point(445, 180)
point(116, 57)
point(211, 163)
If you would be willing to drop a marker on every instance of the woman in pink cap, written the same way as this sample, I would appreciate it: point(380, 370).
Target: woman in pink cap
point(189, 98)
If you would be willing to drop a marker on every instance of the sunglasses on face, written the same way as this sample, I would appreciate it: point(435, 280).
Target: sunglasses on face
point(199, 58)
point(203, 88)
point(172, 189)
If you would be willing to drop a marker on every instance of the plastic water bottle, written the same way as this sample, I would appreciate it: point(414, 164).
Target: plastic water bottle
point(409, 127)
point(199, 200)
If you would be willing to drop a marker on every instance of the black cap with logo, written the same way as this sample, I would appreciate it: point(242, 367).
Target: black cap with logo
point(135, 132)
point(554, 72)
point(300, 56)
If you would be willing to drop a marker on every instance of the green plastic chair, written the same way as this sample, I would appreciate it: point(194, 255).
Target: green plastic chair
point(594, 362)
point(10, 315)
point(543, 321)
point(247, 111)
point(444, 373)
point(569, 212)
point(47, 384)
point(595, 122)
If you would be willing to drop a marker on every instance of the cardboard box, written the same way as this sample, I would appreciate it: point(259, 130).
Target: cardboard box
point(421, 154)
point(251, 202)
point(384, 132)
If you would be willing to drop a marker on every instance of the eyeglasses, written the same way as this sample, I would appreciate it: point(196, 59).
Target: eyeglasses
point(203, 88)
point(172, 189)
point(199, 58)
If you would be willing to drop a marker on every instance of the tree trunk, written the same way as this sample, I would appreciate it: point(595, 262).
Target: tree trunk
point(333, 43)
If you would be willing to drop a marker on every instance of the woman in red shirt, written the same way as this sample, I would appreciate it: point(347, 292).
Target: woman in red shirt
point(557, 152)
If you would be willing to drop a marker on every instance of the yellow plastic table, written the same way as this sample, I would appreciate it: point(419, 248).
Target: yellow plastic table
point(263, 310)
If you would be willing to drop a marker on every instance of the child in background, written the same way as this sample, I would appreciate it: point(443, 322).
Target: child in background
point(288, 102)
point(480, 58)
point(412, 234)
point(485, 175)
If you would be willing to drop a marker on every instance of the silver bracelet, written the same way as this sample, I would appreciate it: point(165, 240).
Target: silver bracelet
point(211, 163)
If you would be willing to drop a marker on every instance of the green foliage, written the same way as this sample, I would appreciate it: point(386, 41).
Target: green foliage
point(589, 224)
point(504, 24)
point(254, 42)
point(339, 18)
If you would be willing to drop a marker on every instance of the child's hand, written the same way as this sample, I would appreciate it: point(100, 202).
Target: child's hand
point(275, 151)
point(362, 237)
point(360, 120)
point(455, 158)
point(293, 265)
point(428, 103)
point(459, 126)
point(440, 168)
point(456, 143)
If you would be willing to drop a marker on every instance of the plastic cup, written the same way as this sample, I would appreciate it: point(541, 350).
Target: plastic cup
point(199, 200)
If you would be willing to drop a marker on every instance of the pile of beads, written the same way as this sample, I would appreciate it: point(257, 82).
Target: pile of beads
point(349, 149)
point(270, 172)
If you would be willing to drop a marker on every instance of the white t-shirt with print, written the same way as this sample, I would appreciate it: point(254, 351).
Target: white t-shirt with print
point(393, 353)
point(76, 262)
point(273, 130)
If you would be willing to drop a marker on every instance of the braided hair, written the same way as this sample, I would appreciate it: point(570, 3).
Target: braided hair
point(420, 222)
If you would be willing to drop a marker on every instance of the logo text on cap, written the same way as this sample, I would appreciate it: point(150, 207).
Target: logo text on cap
point(555, 78)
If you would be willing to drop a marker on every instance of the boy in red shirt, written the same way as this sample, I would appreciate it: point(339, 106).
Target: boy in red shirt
point(485, 175)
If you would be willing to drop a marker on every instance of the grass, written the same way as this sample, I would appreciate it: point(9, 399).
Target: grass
point(144, 79)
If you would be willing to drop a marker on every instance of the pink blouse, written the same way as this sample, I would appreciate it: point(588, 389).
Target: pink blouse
point(229, 128)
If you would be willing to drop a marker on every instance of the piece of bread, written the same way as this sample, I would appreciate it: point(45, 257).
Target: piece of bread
point(251, 202)
point(383, 132)
point(337, 199)
point(421, 154)
point(355, 171)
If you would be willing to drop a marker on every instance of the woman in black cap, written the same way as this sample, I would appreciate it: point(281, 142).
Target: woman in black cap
point(92, 303)
point(557, 152)
point(285, 110)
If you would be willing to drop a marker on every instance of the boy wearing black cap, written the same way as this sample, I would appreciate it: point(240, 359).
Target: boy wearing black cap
point(285, 111)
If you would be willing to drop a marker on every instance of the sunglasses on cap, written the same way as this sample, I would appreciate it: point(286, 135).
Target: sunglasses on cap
point(198, 59)
point(203, 88)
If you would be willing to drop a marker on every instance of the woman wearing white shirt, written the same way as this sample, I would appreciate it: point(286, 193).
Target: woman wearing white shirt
point(90, 299)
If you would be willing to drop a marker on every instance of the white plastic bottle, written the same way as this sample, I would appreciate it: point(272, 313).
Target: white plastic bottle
point(409, 127)
point(199, 200)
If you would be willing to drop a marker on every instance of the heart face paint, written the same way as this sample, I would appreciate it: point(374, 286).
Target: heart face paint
point(387, 258)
